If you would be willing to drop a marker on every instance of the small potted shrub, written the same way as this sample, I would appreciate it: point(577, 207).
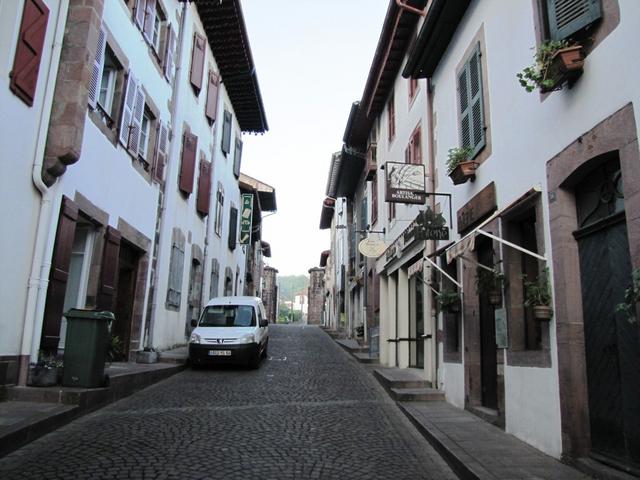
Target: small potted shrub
point(537, 294)
point(449, 300)
point(631, 297)
point(459, 167)
point(490, 282)
point(46, 372)
point(556, 61)
point(147, 355)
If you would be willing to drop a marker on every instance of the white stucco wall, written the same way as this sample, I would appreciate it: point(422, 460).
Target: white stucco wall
point(21, 143)
point(453, 377)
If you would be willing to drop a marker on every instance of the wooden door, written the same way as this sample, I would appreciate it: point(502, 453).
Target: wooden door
point(488, 358)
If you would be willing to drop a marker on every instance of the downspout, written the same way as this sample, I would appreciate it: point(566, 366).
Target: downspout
point(45, 230)
point(431, 244)
point(151, 310)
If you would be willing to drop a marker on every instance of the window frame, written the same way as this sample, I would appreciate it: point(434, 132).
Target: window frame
point(219, 210)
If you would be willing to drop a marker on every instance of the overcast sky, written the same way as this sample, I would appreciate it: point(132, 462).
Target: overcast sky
point(312, 59)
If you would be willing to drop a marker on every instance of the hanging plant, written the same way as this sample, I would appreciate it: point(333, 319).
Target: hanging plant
point(459, 167)
point(631, 297)
point(449, 300)
point(490, 282)
point(556, 61)
point(537, 294)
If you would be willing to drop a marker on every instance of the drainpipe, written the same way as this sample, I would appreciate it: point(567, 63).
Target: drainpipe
point(46, 227)
point(431, 244)
point(151, 310)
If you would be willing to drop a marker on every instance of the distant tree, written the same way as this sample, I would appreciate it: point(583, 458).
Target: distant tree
point(291, 285)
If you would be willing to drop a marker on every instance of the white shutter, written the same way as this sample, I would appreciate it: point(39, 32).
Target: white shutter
point(127, 109)
point(96, 69)
point(136, 120)
point(161, 151)
point(139, 13)
point(170, 54)
point(149, 20)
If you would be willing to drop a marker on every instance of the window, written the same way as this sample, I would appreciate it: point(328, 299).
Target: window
point(228, 316)
point(215, 278)
point(566, 17)
point(176, 268)
point(233, 226)
point(144, 135)
point(413, 88)
point(391, 117)
point(159, 21)
point(26, 63)
point(237, 158)
point(374, 200)
point(413, 152)
point(219, 209)
point(472, 125)
point(188, 163)
point(226, 132)
point(197, 61)
point(108, 83)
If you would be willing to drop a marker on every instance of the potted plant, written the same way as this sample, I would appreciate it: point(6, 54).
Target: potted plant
point(459, 167)
point(537, 294)
point(147, 355)
point(45, 372)
point(631, 297)
point(556, 61)
point(490, 282)
point(449, 300)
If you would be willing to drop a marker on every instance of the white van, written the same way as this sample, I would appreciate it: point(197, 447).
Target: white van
point(230, 330)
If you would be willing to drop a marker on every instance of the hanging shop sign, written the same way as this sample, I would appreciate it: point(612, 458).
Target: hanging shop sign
point(372, 247)
point(246, 219)
point(428, 225)
point(405, 183)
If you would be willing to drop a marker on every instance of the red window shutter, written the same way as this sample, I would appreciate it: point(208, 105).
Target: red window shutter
point(109, 270)
point(197, 61)
point(417, 151)
point(212, 96)
point(161, 151)
point(26, 63)
point(60, 261)
point(204, 188)
point(187, 168)
point(407, 154)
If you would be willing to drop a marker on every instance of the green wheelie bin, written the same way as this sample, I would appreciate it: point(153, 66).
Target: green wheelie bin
point(85, 348)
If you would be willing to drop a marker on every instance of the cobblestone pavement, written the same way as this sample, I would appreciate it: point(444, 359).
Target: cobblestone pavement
point(309, 412)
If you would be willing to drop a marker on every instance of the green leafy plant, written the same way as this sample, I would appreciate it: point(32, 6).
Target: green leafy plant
point(456, 156)
point(115, 351)
point(47, 361)
point(537, 75)
point(631, 297)
point(447, 298)
point(538, 292)
point(489, 280)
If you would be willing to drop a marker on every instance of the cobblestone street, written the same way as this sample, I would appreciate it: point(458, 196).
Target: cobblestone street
point(309, 411)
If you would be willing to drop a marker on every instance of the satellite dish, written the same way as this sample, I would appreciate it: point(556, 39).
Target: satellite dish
point(372, 247)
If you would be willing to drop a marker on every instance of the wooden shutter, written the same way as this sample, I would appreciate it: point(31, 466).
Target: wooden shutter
point(197, 60)
point(169, 54)
point(416, 151)
point(211, 108)
point(128, 104)
point(188, 164)
point(149, 20)
point(59, 274)
point(136, 120)
point(233, 227)
point(176, 270)
point(472, 132)
point(237, 158)
point(138, 13)
point(374, 200)
point(407, 154)
point(226, 132)
point(96, 69)
point(566, 17)
point(26, 63)
point(204, 188)
point(162, 136)
point(109, 270)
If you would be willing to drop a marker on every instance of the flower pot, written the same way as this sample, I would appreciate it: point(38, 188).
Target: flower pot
point(42, 376)
point(495, 297)
point(146, 357)
point(566, 65)
point(542, 312)
point(453, 307)
point(463, 172)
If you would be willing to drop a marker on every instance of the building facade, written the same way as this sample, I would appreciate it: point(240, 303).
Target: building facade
point(316, 296)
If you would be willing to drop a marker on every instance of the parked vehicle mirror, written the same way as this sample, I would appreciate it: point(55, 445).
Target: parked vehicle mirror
point(194, 322)
point(264, 323)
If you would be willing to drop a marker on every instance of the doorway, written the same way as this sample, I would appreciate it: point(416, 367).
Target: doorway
point(612, 341)
point(488, 358)
point(416, 319)
point(128, 260)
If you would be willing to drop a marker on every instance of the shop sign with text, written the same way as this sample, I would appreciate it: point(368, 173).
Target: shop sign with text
point(246, 219)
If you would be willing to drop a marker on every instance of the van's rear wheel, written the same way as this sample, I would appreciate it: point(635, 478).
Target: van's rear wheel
point(254, 361)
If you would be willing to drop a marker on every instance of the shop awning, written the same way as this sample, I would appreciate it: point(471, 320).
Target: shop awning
point(467, 243)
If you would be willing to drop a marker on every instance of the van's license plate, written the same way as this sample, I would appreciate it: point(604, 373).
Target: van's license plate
point(220, 353)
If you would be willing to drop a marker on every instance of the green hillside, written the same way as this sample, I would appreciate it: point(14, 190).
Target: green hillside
point(291, 285)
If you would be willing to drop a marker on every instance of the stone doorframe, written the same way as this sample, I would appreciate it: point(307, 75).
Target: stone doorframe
point(617, 133)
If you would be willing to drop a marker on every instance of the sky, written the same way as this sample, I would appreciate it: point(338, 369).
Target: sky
point(312, 60)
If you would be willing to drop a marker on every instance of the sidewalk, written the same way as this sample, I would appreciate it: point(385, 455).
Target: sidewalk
point(472, 447)
point(30, 412)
